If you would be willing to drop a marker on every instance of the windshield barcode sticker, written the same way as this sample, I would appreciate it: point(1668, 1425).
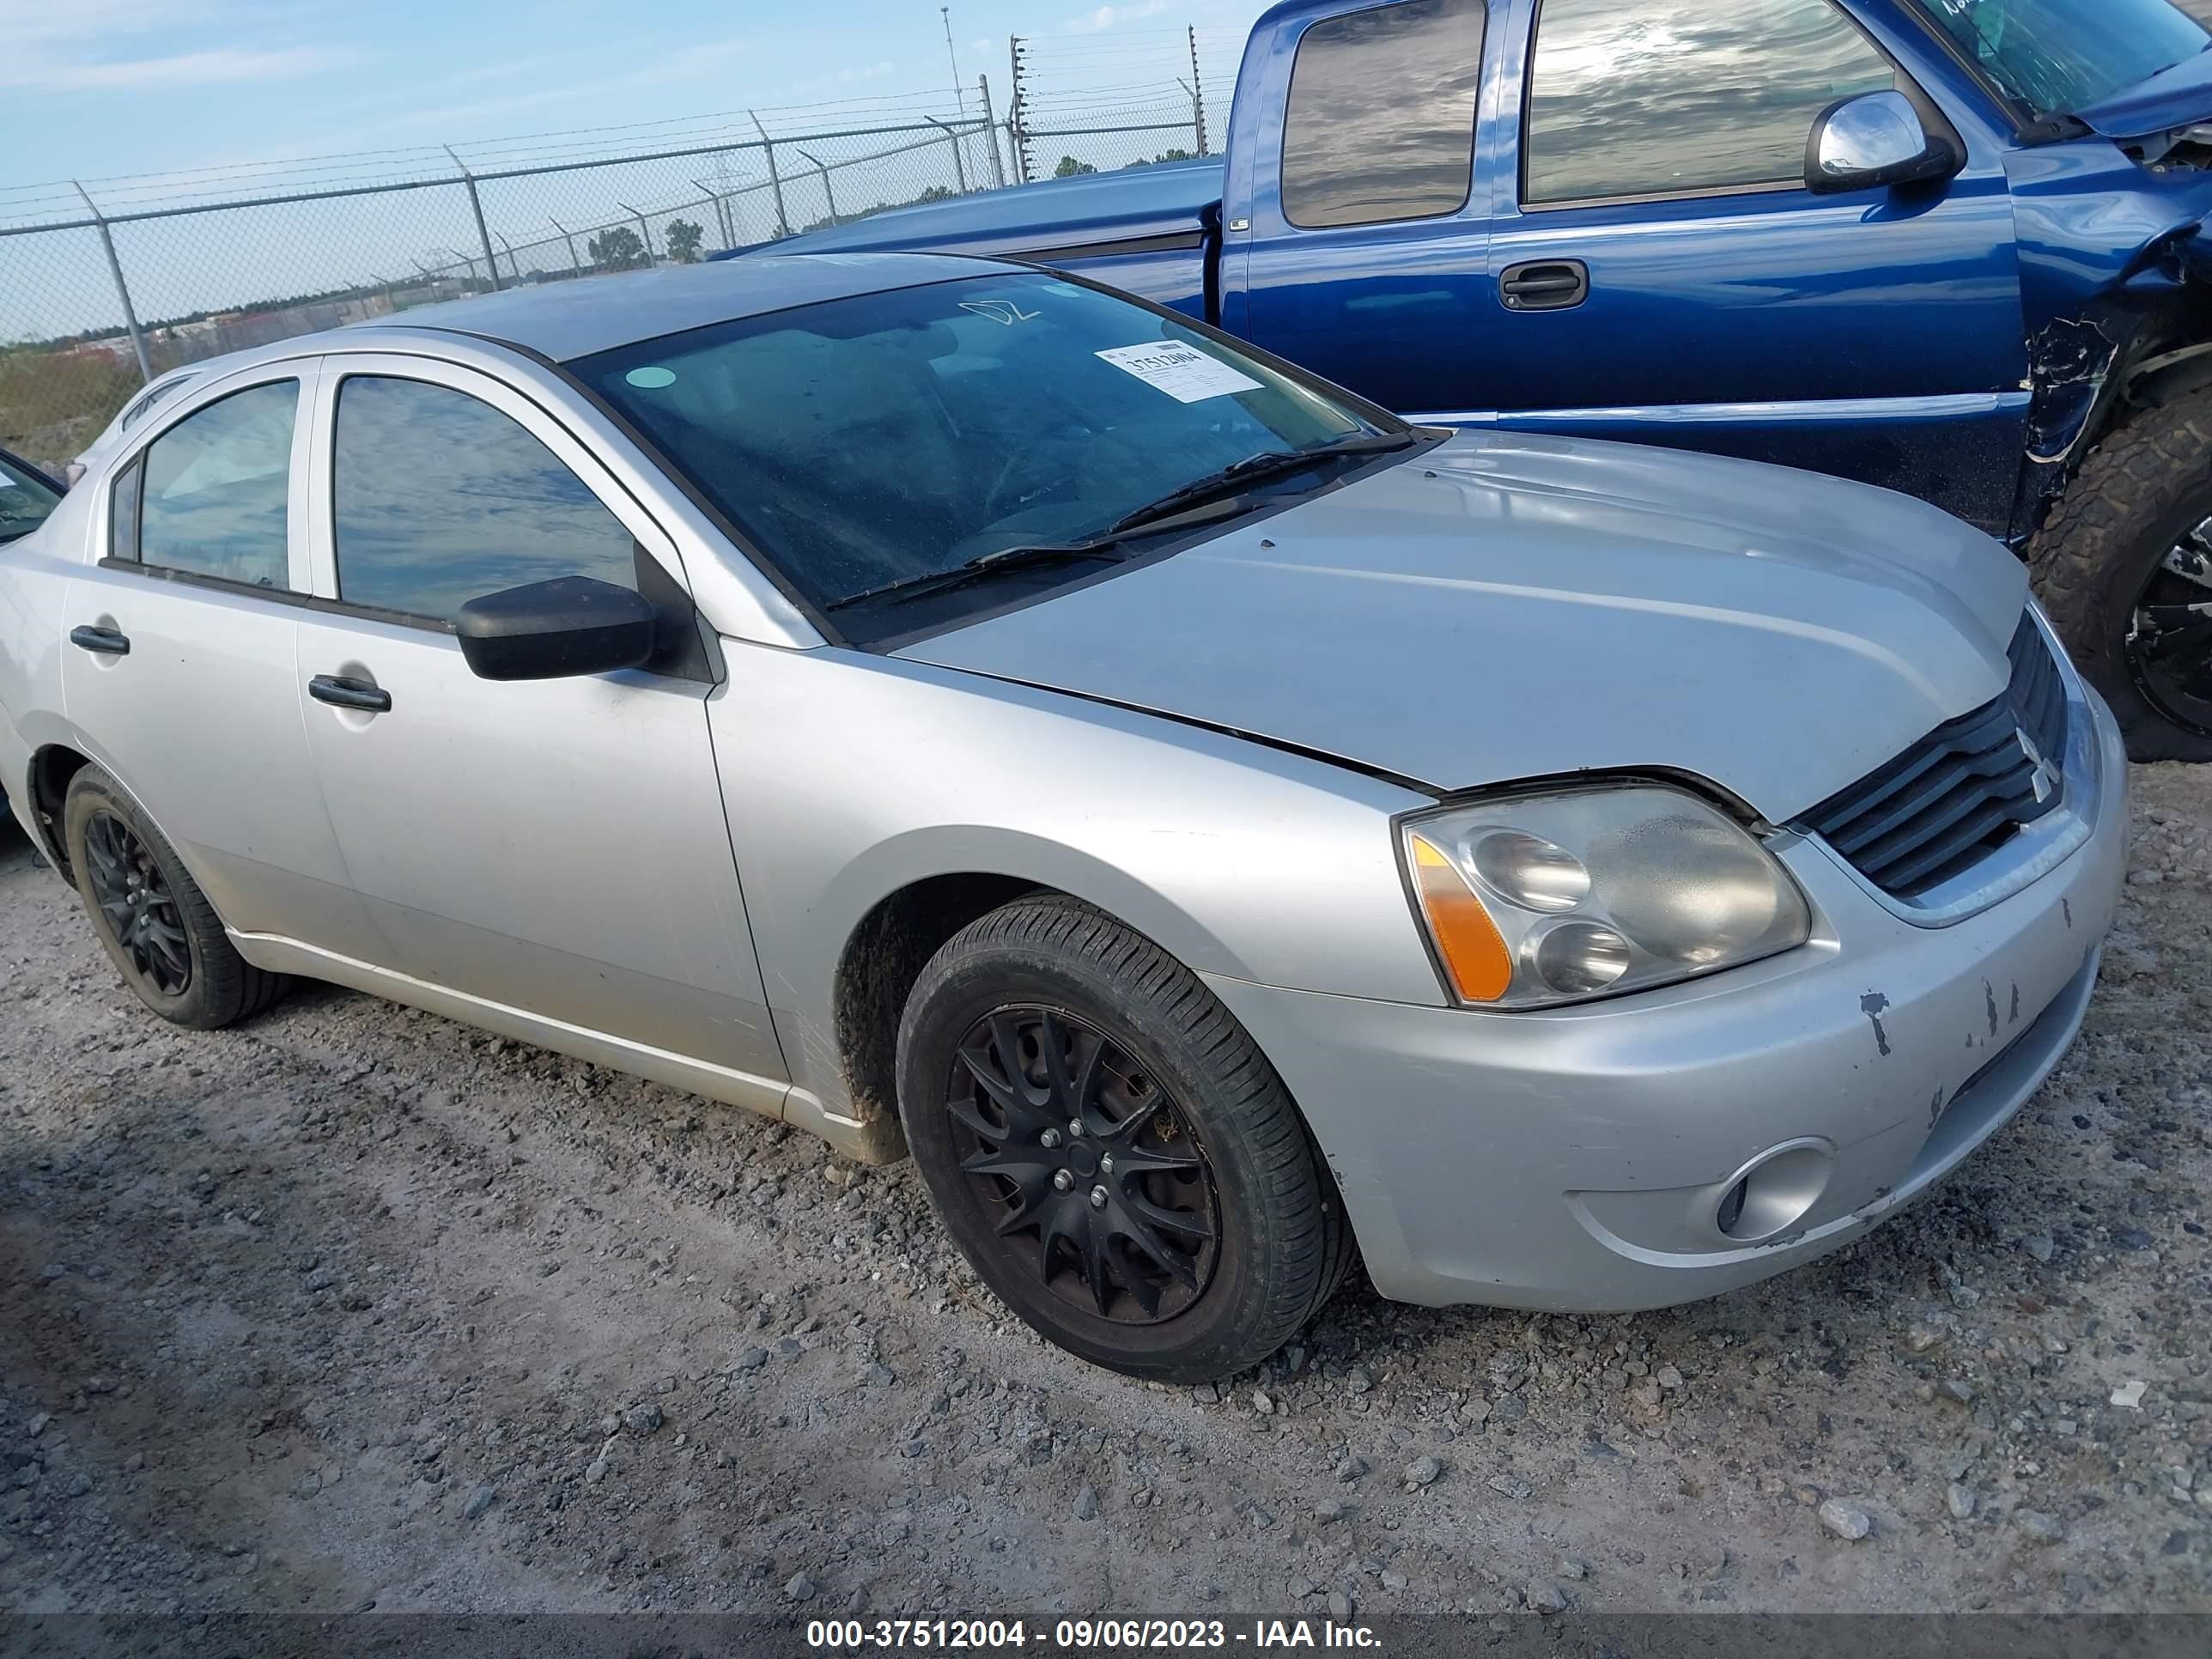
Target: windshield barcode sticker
point(1184, 373)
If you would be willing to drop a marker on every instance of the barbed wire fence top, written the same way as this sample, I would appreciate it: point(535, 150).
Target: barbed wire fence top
point(107, 283)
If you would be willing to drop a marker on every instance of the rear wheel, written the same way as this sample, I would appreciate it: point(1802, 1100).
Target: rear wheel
point(2125, 567)
point(1109, 1149)
point(156, 925)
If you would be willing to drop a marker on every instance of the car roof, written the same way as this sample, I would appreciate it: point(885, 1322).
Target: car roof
point(573, 318)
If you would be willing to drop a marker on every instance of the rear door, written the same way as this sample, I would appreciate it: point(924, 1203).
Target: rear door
point(180, 674)
point(1363, 255)
point(555, 846)
point(1677, 283)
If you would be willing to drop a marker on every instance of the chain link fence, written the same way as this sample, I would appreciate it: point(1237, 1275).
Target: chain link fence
point(107, 283)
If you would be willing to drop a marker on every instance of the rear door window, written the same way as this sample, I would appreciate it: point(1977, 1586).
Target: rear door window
point(1674, 97)
point(1381, 123)
point(217, 499)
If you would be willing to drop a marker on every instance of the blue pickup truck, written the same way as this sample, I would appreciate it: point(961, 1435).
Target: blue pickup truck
point(1957, 247)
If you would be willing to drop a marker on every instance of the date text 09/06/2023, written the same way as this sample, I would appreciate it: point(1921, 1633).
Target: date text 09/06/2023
point(1082, 1635)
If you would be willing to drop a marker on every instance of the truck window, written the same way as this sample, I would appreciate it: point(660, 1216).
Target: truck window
point(1678, 97)
point(1381, 123)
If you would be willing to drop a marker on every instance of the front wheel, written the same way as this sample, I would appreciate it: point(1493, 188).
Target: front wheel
point(1110, 1149)
point(2125, 567)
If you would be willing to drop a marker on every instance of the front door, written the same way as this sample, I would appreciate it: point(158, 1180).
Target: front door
point(1668, 278)
point(553, 847)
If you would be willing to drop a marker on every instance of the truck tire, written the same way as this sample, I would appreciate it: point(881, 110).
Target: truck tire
point(1110, 1149)
point(2125, 553)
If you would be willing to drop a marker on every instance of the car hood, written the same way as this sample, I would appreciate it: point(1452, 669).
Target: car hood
point(1510, 606)
point(2175, 97)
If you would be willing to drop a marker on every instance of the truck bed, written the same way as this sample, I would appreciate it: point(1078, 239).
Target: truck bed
point(1145, 229)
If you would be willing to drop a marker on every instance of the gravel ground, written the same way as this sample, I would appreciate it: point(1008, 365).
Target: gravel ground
point(357, 1307)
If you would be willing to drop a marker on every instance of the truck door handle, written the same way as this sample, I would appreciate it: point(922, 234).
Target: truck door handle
point(102, 641)
point(341, 693)
point(1545, 285)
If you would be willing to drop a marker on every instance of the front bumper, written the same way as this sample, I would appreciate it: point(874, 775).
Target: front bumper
point(1583, 1157)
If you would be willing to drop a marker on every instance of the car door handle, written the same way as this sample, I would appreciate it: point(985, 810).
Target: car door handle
point(1545, 285)
point(103, 641)
point(342, 693)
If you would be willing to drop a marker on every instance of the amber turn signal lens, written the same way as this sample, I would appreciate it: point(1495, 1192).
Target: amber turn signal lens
point(1474, 955)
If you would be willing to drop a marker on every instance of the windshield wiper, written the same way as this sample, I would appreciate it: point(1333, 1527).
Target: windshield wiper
point(1269, 462)
point(990, 565)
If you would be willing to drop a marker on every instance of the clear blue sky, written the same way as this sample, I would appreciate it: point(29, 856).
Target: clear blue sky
point(97, 88)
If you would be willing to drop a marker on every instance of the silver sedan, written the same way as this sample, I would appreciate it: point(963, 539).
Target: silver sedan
point(1219, 831)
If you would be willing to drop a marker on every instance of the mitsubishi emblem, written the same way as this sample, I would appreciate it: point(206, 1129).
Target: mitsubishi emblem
point(2046, 778)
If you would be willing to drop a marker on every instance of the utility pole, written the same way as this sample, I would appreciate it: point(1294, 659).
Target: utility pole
point(774, 179)
point(991, 132)
point(828, 194)
point(475, 206)
point(959, 97)
point(1016, 113)
point(575, 267)
point(121, 288)
point(1197, 94)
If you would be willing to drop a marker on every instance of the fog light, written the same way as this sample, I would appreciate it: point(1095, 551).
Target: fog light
point(1775, 1191)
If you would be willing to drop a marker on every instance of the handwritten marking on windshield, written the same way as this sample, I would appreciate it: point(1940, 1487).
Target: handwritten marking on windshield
point(1004, 311)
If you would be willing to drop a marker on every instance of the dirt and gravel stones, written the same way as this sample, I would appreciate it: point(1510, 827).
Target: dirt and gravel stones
point(2042, 1527)
point(1846, 1521)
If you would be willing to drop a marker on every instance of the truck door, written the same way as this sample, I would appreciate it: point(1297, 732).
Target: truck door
point(1661, 272)
point(1360, 253)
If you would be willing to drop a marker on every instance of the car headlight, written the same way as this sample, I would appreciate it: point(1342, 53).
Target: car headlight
point(1537, 900)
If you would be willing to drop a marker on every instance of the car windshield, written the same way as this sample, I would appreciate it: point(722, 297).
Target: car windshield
point(25, 500)
point(2056, 56)
point(870, 444)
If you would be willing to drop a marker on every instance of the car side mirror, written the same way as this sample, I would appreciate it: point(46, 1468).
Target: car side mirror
point(1873, 140)
point(560, 629)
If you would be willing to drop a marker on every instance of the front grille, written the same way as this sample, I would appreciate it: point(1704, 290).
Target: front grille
point(1962, 791)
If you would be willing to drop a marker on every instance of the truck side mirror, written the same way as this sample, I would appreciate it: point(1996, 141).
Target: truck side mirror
point(1873, 140)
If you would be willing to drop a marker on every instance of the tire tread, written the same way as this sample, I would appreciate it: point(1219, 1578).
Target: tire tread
point(2145, 472)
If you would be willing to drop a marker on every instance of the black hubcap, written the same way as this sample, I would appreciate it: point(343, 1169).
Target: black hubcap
point(1089, 1170)
point(2170, 639)
point(135, 901)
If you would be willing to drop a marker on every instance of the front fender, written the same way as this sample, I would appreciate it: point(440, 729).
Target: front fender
point(850, 776)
